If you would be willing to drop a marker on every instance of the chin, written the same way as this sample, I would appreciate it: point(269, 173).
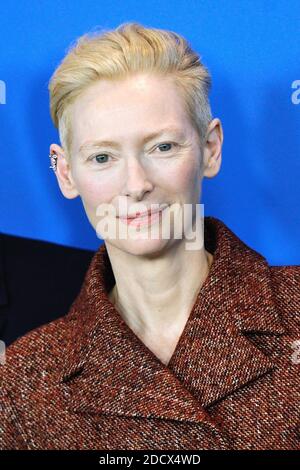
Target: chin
point(141, 247)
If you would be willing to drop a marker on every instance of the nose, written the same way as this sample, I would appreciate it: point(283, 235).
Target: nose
point(137, 181)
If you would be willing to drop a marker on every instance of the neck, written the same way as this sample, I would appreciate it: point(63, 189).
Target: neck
point(157, 295)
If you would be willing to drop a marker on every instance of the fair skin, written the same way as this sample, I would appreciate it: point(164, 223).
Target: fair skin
point(157, 280)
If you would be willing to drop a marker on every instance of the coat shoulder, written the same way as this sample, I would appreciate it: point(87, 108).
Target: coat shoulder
point(28, 374)
point(39, 350)
point(286, 287)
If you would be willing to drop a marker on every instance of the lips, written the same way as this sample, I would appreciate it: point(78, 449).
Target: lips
point(149, 218)
point(142, 214)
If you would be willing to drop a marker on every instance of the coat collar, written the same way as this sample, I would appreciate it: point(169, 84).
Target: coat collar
point(107, 369)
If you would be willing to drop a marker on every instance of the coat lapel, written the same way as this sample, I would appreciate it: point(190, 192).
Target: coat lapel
point(216, 356)
point(107, 369)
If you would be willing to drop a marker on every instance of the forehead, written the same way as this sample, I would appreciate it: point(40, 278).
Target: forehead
point(117, 109)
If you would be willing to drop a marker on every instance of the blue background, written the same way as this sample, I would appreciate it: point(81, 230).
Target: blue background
point(252, 49)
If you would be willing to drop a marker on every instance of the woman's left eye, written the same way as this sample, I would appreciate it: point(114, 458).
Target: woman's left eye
point(99, 157)
point(166, 144)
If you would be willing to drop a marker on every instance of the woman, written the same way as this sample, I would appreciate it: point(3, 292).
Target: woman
point(168, 345)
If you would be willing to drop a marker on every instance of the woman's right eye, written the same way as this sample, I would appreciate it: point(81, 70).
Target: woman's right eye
point(99, 158)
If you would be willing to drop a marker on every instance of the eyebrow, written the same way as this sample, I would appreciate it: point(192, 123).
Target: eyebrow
point(116, 145)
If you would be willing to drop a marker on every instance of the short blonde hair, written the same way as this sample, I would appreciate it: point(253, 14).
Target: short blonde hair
point(116, 54)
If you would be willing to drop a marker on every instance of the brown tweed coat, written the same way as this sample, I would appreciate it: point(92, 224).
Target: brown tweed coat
point(85, 381)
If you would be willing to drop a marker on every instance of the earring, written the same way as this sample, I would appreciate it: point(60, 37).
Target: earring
point(53, 159)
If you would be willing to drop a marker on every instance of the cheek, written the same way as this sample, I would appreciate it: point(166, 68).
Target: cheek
point(93, 189)
point(182, 177)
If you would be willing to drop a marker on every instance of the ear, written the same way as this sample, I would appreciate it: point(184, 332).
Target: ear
point(212, 149)
point(63, 172)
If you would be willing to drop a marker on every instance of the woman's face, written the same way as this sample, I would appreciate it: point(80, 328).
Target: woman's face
point(116, 163)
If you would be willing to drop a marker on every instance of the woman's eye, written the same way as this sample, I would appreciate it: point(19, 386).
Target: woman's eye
point(165, 146)
point(101, 158)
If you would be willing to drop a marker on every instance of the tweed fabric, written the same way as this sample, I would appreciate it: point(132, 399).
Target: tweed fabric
point(86, 381)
